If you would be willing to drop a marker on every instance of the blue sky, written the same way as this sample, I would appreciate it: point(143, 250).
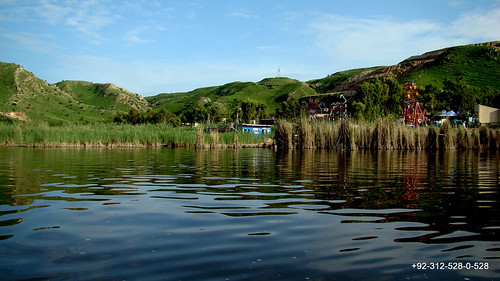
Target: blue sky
point(151, 47)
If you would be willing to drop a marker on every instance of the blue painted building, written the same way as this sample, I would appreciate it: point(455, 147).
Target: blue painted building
point(256, 129)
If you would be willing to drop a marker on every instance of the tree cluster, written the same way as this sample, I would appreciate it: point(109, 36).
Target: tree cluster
point(135, 117)
point(214, 112)
point(290, 109)
point(384, 97)
point(456, 94)
point(204, 112)
point(378, 98)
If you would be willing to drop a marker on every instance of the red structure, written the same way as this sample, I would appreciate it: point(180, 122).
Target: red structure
point(333, 107)
point(414, 114)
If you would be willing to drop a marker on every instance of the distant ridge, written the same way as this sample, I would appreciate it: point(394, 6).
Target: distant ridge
point(483, 58)
point(27, 97)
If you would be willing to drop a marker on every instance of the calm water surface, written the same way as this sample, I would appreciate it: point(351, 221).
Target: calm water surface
point(249, 214)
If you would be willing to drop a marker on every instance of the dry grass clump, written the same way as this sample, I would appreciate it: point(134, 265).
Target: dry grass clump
point(283, 134)
point(214, 139)
point(200, 138)
point(362, 134)
point(445, 138)
point(345, 136)
point(382, 135)
point(432, 138)
point(325, 134)
point(306, 132)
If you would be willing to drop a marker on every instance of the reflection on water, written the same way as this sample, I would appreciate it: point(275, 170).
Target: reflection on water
point(249, 214)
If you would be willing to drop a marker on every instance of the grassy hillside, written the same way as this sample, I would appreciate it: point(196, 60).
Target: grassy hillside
point(270, 91)
point(107, 96)
point(7, 79)
point(72, 102)
point(479, 65)
point(22, 91)
point(327, 84)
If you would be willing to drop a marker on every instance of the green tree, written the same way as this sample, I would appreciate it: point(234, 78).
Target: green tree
point(394, 99)
point(289, 109)
point(374, 95)
point(358, 109)
point(162, 116)
point(252, 110)
point(216, 112)
point(134, 117)
point(490, 97)
point(212, 112)
point(429, 96)
point(197, 113)
point(458, 95)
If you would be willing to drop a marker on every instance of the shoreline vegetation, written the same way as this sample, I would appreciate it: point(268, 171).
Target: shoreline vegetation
point(111, 135)
point(382, 134)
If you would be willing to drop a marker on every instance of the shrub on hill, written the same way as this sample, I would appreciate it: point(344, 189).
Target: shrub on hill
point(136, 117)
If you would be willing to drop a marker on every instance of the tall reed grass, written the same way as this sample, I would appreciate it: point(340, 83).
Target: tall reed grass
point(306, 132)
point(283, 134)
point(382, 134)
point(345, 136)
point(120, 135)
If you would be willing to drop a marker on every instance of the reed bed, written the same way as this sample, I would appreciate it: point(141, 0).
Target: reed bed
point(383, 134)
point(121, 135)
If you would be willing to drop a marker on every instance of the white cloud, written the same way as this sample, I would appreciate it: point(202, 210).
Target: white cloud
point(134, 35)
point(268, 48)
point(482, 26)
point(373, 41)
point(28, 41)
point(241, 14)
point(86, 17)
point(51, 12)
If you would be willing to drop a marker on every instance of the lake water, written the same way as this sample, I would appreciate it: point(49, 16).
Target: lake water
point(248, 214)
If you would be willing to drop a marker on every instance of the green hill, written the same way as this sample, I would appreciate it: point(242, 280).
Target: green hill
point(23, 94)
point(269, 91)
point(107, 95)
point(332, 82)
point(478, 64)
